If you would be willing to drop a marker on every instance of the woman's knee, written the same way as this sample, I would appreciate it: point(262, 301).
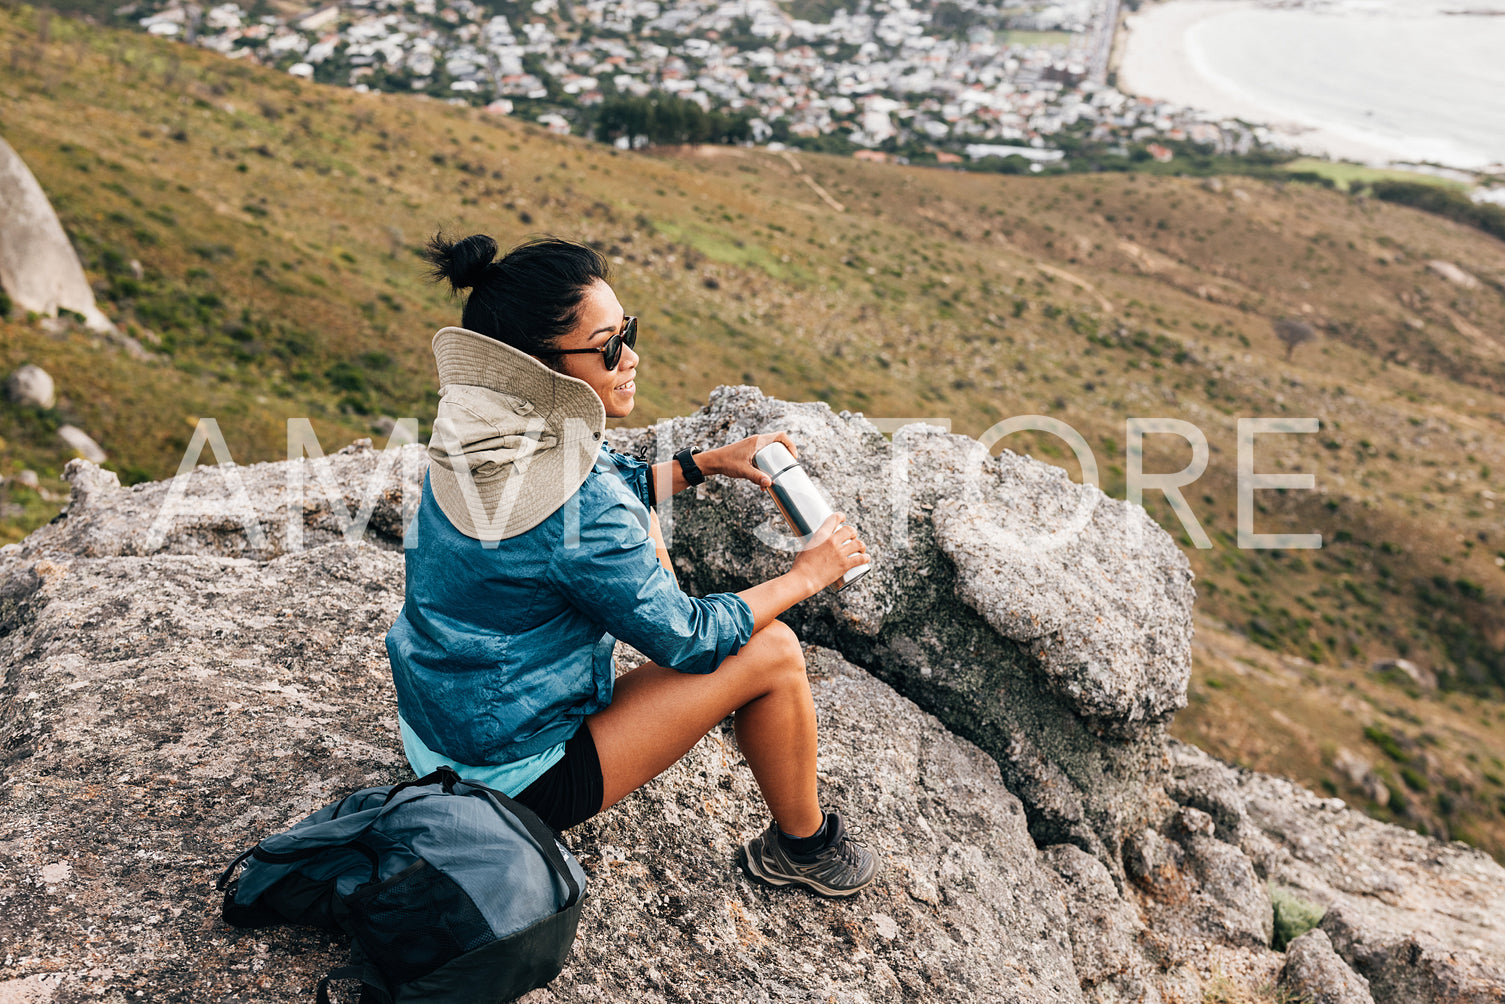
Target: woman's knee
point(778, 646)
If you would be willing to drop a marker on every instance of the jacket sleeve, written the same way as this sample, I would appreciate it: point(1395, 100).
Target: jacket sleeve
point(610, 572)
point(638, 474)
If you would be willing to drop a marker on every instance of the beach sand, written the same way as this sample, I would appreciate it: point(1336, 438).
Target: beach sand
point(1157, 61)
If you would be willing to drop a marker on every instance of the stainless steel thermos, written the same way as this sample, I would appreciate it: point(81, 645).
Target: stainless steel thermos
point(798, 499)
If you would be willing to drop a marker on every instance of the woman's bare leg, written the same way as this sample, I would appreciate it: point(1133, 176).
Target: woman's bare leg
point(657, 714)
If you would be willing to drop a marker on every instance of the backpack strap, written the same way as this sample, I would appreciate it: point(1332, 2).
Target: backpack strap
point(355, 843)
point(444, 774)
point(261, 854)
point(541, 834)
point(368, 992)
point(224, 878)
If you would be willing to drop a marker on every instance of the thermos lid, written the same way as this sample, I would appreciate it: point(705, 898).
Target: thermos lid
point(774, 459)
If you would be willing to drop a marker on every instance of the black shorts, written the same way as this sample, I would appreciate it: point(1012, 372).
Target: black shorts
point(569, 792)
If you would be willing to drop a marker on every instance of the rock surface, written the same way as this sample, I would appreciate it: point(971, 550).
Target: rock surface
point(1318, 975)
point(180, 684)
point(32, 387)
point(273, 698)
point(1419, 919)
point(259, 511)
point(1413, 964)
point(82, 443)
point(1452, 273)
point(38, 267)
point(1418, 675)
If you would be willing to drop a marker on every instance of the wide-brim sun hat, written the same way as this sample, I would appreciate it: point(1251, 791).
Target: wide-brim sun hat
point(513, 439)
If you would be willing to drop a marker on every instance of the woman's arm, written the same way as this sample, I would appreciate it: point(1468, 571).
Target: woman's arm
point(612, 572)
point(733, 460)
point(834, 549)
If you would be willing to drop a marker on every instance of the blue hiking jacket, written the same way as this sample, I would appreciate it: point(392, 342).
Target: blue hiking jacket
point(503, 647)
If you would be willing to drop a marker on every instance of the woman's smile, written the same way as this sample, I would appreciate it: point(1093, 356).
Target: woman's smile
point(622, 395)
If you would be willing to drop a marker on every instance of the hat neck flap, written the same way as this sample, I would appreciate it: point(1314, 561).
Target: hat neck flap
point(513, 439)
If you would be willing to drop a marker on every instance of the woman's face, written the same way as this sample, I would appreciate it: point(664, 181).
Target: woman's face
point(601, 317)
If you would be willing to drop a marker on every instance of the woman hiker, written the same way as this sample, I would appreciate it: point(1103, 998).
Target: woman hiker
point(537, 548)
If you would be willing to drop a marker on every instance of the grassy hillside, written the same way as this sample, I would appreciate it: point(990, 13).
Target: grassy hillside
point(257, 235)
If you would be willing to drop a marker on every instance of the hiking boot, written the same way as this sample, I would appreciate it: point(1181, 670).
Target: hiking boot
point(841, 869)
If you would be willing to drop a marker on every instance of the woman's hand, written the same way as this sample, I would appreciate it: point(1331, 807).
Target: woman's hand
point(833, 550)
point(735, 460)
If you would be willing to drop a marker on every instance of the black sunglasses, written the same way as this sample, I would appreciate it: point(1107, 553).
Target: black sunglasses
point(611, 349)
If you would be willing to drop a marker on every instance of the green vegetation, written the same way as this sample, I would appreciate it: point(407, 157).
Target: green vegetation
point(1294, 917)
point(1348, 177)
point(814, 11)
point(256, 236)
point(1386, 742)
point(728, 249)
point(663, 118)
point(1445, 202)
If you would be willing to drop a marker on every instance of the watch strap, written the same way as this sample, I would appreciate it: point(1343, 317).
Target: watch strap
point(692, 472)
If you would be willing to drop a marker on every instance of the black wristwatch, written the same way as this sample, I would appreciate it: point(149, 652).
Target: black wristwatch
point(693, 474)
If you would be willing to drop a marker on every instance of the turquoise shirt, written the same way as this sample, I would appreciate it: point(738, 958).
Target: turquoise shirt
point(508, 778)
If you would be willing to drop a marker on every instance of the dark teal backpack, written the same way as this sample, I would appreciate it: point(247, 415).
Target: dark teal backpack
point(451, 892)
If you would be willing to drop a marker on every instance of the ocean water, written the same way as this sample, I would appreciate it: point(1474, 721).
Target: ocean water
point(1422, 80)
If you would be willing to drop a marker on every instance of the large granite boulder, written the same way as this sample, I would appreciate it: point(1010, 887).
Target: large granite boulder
point(31, 387)
point(192, 664)
point(162, 713)
point(1042, 620)
point(38, 266)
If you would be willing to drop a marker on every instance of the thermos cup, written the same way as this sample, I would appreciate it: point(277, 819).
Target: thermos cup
point(797, 498)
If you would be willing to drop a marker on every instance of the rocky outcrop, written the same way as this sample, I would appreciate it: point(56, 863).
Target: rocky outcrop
point(1315, 973)
point(38, 267)
point(164, 712)
point(1417, 918)
point(1038, 618)
point(258, 512)
point(191, 665)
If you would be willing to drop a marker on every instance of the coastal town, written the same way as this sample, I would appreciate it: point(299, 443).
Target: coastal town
point(954, 81)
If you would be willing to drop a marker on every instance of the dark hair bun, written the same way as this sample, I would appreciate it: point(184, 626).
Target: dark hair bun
point(464, 262)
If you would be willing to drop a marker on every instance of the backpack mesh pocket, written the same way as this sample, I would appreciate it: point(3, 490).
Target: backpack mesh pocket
point(414, 921)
